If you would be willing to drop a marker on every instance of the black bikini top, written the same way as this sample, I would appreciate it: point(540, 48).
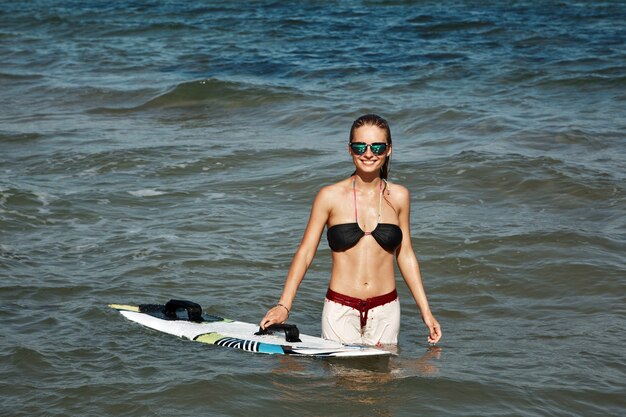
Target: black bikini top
point(343, 236)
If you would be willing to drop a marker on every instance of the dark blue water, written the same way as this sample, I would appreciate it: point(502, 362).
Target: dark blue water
point(156, 150)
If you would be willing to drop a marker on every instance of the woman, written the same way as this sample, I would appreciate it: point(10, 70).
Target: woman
point(368, 223)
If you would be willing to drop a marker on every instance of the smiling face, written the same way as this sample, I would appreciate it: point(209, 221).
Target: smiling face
point(369, 162)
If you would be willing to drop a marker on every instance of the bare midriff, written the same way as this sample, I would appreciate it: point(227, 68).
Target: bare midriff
point(363, 271)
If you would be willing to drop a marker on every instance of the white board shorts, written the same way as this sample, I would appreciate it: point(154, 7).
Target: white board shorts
point(343, 324)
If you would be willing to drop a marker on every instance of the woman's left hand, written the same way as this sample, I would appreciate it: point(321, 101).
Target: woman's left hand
point(434, 329)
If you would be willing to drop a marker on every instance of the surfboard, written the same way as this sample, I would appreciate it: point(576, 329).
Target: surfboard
point(186, 319)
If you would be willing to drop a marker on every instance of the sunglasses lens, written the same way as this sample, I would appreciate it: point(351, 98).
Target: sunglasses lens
point(378, 148)
point(358, 148)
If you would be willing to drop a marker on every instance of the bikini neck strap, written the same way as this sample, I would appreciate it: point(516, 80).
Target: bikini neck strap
point(380, 198)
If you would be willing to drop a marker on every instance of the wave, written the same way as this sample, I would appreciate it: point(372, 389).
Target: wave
point(430, 26)
point(151, 29)
point(522, 185)
point(214, 94)
point(222, 93)
point(21, 137)
point(588, 81)
point(11, 77)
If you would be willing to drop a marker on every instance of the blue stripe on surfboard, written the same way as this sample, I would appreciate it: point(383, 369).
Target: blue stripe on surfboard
point(271, 349)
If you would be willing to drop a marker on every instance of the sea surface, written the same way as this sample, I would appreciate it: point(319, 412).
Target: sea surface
point(172, 149)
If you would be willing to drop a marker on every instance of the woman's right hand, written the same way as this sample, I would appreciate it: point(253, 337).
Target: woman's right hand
point(275, 315)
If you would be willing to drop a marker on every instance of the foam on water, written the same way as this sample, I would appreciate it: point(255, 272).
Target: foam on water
point(146, 193)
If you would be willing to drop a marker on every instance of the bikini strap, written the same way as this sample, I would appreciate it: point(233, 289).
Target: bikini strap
point(356, 213)
point(380, 200)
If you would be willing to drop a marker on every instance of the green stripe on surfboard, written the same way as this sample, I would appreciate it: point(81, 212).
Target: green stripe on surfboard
point(209, 338)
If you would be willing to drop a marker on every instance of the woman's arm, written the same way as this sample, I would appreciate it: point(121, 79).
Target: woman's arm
point(409, 266)
point(302, 259)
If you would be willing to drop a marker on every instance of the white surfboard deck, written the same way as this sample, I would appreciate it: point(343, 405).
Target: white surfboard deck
point(240, 335)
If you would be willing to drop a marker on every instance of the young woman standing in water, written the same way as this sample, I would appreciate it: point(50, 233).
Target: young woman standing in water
point(368, 224)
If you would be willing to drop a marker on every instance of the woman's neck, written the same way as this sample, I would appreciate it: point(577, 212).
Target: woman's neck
point(367, 182)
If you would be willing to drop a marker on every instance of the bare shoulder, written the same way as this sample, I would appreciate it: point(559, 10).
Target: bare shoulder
point(399, 194)
point(333, 190)
point(329, 193)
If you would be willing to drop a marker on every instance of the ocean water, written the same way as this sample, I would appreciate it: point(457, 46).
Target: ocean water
point(171, 149)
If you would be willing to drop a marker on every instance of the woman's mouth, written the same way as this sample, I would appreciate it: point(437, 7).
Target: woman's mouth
point(368, 161)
